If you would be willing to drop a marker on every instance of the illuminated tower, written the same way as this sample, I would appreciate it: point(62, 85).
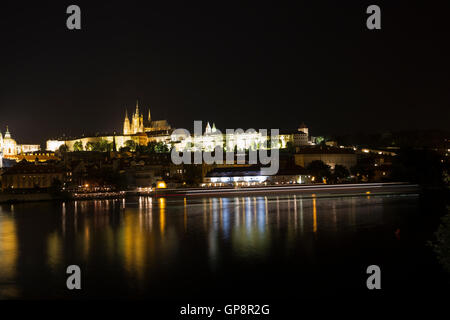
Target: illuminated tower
point(141, 123)
point(136, 121)
point(7, 133)
point(126, 124)
point(303, 128)
point(136, 124)
point(208, 128)
point(9, 144)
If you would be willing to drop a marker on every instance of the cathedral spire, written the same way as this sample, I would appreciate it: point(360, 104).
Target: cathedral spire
point(149, 116)
point(126, 124)
point(137, 107)
point(208, 128)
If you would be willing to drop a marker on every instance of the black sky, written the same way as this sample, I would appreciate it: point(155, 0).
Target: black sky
point(259, 66)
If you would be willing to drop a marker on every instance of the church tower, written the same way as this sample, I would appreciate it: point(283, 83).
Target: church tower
point(9, 144)
point(7, 133)
point(126, 124)
point(208, 129)
point(303, 128)
point(136, 122)
point(141, 123)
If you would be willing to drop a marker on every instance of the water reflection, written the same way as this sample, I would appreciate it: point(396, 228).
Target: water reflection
point(314, 215)
point(8, 255)
point(146, 241)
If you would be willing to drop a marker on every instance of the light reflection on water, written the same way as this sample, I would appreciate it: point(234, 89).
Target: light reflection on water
point(8, 255)
point(144, 240)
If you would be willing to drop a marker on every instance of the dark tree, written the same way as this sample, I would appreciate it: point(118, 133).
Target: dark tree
point(151, 146)
point(364, 170)
point(131, 145)
point(290, 147)
point(340, 173)
point(63, 149)
point(161, 147)
point(441, 245)
point(193, 174)
point(78, 146)
point(319, 170)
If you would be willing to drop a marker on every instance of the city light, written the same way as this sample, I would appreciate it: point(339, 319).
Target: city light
point(161, 185)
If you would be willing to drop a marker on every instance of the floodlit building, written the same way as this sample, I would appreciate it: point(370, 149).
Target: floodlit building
point(330, 156)
point(136, 129)
point(238, 139)
point(9, 144)
point(143, 131)
point(10, 149)
point(137, 124)
point(212, 138)
point(252, 176)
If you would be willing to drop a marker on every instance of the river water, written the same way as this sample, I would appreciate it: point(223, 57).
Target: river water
point(235, 247)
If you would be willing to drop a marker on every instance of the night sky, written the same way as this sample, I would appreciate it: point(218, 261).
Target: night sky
point(257, 66)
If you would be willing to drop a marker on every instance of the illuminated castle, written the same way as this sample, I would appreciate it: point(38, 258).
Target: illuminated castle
point(142, 131)
point(139, 130)
point(138, 125)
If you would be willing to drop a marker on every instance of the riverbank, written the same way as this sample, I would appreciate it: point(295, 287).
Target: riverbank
point(26, 197)
point(44, 196)
point(320, 190)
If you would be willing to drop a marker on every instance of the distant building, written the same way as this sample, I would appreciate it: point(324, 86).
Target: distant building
point(303, 128)
point(331, 143)
point(10, 149)
point(251, 176)
point(28, 148)
point(89, 142)
point(9, 145)
point(300, 139)
point(26, 175)
point(249, 139)
point(138, 125)
point(144, 131)
point(330, 156)
point(136, 129)
point(296, 137)
point(37, 156)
